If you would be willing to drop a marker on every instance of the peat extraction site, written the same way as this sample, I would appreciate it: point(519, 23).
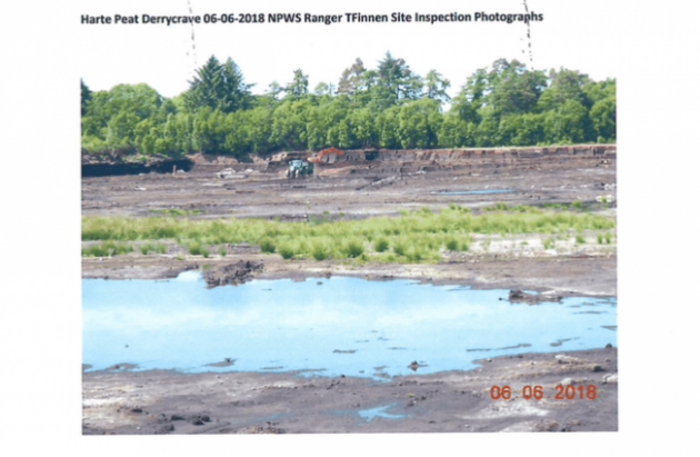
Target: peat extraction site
point(353, 290)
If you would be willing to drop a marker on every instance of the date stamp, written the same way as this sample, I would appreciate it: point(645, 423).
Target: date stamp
point(561, 392)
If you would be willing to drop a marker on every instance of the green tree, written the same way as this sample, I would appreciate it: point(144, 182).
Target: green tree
point(206, 87)
point(395, 82)
point(455, 132)
point(274, 90)
point(436, 86)
point(289, 121)
point(418, 124)
point(218, 86)
point(322, 89)
point(235, 93)
point(85, 96)
point(299, 85)
point(352, 81)
point(603, 119)
point(386, 126)
point(363, 127)
point(471, 97)
point(565, 85)
point(567, 124)
point(209, 131)
point(111, 116)
point(513, 88)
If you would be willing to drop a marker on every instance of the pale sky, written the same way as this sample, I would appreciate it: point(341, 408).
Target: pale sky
point(577, 35)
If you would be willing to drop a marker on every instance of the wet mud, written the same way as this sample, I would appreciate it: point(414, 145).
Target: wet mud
point(167, 402)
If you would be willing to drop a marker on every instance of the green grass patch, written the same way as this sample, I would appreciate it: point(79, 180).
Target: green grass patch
point(416, 235)
point(107, 249)
point(500, 206)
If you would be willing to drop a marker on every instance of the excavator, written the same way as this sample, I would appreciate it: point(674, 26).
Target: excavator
point(320, 154)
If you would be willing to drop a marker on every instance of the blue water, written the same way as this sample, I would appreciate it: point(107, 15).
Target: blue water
point(345, 325)
point(372, 413)
point(468, 192)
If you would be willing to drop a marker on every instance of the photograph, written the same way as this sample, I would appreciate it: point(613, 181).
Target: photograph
point(347, 217)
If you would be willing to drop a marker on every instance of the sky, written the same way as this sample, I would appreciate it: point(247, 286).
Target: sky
point(574, 36)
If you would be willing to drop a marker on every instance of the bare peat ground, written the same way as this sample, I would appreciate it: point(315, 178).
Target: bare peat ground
point(164, 402)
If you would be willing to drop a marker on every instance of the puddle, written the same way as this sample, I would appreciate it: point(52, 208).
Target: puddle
point(346, 327)
point(561, 341)
point(373, 413)
point(474, 192)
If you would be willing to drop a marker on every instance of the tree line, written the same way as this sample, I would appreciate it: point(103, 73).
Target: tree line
point(387, 107)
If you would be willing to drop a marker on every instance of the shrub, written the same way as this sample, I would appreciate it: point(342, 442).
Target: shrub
point(451, 244)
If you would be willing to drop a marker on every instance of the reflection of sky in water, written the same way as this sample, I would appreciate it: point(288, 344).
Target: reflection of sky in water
point(180, 324)
point(380, 411)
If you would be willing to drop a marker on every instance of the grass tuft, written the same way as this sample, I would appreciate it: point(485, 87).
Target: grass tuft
point(286, 250)
point(381, 244)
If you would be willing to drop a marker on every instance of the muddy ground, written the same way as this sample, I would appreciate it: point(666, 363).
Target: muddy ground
point(121, 401)
point(356, 191)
